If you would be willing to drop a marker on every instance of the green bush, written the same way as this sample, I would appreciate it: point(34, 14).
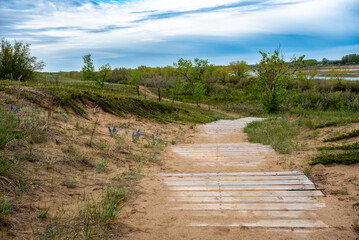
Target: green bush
point(354, 146)
point(16, 61)
point(351, 134)
point(342, 158)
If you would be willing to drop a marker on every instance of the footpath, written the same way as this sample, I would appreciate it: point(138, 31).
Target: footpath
point(223, 187)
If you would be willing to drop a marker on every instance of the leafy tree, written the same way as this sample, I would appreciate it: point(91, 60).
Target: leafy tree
point(239, 69)
point(274, 76)
point(198, 92)
point(199, 68)
point(103, 74)
point(184, 68)
point(16, 61)
point(135, 80)
point(351, 58)
point(325, 61)
point(88, 69)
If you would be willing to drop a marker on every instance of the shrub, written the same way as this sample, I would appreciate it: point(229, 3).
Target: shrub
point(342, 158)
point(16, 61)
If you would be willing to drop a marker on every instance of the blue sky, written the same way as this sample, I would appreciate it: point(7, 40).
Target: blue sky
point(158, 32)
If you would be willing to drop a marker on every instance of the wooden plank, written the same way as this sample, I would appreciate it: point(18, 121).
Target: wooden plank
point(244, 188)
point(235, 183)
point(240, 199)
point(238, 178)
point(267, 224)
point(233, 174)
point(235, 214)
point(258, 194)
point(250, 206)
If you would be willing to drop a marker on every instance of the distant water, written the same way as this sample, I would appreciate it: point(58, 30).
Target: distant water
point(345, 78)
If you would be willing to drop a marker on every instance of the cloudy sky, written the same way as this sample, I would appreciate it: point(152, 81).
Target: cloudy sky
point(158, 32)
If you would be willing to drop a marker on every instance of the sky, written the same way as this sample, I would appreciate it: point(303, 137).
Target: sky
point(159, 32)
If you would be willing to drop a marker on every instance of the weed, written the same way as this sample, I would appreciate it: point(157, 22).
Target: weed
point(346, 158)
point(102, 146)
point(307, 171)
point(70, 183)
point(5, 209)
point(343, 191)
point(100, 166)
point(43, 214)
point(75, 156)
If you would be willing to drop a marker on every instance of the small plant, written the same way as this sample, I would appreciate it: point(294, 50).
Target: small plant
point(70, 183)
point(5, 206)
point(307, 171)
point(43, 214)
point(100, 166)
point(136, 136)
point(343, 191)
point(102, 146)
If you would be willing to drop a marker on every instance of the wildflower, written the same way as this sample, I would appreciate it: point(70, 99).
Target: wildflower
point(153, 136)
point(160, 140)
point(126, 132)
point(133, 134)
point(12, 107)
point(114, 129)
point(138, 131)
point(157, 132)
point(176, 139)
point(109, 129)
point(15, 111)
point(138, 135)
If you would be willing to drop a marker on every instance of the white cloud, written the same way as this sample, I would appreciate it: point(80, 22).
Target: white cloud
point(156, 21)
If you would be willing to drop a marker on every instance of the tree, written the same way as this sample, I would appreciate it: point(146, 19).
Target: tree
point(135, 80)
point(88, 69)
point(274, 76)
point(16, 61)
point(103, 74)
point(198, 92)
point(325, 61)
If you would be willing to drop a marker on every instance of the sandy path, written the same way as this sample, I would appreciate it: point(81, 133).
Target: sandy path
point(221, 186)
point(147, 92)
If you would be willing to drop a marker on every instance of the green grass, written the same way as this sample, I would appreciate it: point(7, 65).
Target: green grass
point(277, 132)
point(354, 146)
point(351, 134)
point(346, 158)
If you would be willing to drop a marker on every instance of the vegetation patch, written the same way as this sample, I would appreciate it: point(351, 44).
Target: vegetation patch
point(354, 146)
point(346, 158)
point(351, 134)
point(337, 122)
point(277, 132)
